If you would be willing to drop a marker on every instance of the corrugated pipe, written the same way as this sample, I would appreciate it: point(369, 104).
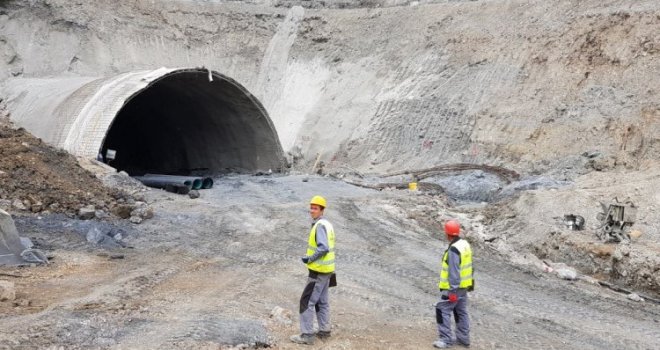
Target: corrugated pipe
point(195, 182)
point(207, 183)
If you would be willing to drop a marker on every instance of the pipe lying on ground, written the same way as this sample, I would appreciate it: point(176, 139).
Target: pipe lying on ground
point(195, 182)
point(505, 174)
point(207, 183)
point(166, 183)
point(198, 182)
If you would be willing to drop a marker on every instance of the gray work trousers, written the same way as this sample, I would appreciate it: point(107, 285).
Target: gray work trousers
point(315, 301)
point(444, 310)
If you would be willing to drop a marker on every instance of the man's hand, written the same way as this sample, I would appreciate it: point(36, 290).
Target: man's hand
point(305, 259)
point(453, 298)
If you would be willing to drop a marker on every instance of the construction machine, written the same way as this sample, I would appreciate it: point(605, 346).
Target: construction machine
point(616, 220)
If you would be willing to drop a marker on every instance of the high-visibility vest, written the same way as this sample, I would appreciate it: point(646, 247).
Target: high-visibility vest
point(465, 268)
point(326, 263)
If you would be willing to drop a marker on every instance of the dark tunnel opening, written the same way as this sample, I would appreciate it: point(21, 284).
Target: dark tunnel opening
point(184, 124)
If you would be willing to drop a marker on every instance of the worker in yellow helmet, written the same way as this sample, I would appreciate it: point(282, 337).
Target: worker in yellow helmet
point(320, 261)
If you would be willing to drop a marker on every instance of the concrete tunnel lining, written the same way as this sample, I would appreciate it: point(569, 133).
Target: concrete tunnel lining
point(177, 121)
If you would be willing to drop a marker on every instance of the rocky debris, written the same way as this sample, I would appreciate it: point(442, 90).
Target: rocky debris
point(87, 213)
point(475, 186)
point(281, 316)
point(141, 212)
point(105, 237)
point(7, 291)
point(39, 178)
point(632, 266)
point(194, 194)
point(101, 215)
point(635, 297)
point(123, 211)
point(18, 204)
point(599, 162)
point(34, 256)
point(531, 183)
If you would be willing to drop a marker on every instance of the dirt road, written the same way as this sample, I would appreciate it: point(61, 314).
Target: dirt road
point(207, 273)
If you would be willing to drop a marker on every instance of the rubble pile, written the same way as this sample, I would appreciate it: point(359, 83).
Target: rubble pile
point(38, 178)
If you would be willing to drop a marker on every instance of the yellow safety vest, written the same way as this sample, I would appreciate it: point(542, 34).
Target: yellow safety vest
point(465, 268)
point(326, 263)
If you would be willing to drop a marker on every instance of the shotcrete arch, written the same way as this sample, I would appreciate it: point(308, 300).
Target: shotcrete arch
point(176, 121)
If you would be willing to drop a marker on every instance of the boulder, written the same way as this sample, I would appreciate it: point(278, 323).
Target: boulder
point(10, 243)
point(7, 291)
point(123, 211)
point(87, 213)
point(142, 211)
point(18, 204)
point(567, 273)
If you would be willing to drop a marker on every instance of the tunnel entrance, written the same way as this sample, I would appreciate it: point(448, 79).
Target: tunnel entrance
point(192, 122)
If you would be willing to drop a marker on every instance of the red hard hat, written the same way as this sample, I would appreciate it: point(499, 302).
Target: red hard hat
point(452, 228)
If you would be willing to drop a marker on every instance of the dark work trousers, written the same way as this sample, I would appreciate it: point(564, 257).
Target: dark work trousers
point(315, 301)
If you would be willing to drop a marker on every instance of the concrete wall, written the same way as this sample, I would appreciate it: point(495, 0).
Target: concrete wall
point(77, 114)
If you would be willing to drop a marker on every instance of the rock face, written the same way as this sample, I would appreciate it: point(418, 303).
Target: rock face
point(459, 90)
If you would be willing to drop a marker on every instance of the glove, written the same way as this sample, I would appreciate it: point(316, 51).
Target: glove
point(453, 298)
point(305, 259)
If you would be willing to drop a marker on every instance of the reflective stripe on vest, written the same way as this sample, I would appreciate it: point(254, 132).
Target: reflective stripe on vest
point(465, 268)
point(326, 263)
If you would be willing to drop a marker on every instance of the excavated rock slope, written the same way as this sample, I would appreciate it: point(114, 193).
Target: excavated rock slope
point(527, 84)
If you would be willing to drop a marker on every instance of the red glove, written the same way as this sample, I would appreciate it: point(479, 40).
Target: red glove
point(453, 298)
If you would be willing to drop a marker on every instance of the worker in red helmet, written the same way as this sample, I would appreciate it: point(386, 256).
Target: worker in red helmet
point(455, 281)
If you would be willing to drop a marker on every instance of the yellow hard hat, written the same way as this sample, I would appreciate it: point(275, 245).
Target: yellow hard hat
point(318, 200)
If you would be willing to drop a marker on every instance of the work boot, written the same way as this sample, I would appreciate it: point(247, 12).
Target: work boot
point(460, 343)
point(323, 334)
point(306, 339)
point(440, 344)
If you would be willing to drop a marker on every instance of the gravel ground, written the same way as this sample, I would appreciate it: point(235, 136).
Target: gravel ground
point(208, 272)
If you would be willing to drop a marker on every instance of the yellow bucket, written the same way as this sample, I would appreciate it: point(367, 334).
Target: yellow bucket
point(412, 186)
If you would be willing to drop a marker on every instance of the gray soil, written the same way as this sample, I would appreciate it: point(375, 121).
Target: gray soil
point(208, 272)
